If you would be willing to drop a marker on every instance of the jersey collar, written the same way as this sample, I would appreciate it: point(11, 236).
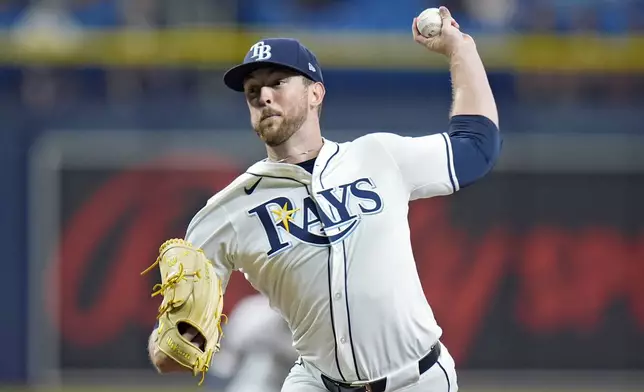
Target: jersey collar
point(268, 168)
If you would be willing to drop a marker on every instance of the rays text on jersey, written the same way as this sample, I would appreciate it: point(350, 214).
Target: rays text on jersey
point(330, 218)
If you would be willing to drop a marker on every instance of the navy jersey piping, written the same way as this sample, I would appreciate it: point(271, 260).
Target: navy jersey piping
point(335, 337)
point(327, 163)
point(346, 299)
point(449, 159)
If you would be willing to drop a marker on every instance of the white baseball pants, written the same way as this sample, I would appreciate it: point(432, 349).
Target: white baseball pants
point(439, 378)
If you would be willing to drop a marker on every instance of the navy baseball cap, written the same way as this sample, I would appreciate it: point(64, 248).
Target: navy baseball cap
point(283, 52)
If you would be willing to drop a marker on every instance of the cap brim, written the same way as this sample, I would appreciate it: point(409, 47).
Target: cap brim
point(234, 78)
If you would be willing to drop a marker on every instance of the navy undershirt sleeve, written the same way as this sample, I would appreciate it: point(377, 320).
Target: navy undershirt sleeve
point(476, 145)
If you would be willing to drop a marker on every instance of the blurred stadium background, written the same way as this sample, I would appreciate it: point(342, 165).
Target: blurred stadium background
point(115, 128)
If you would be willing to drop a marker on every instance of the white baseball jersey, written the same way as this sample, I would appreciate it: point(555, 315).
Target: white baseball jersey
point(332, 250)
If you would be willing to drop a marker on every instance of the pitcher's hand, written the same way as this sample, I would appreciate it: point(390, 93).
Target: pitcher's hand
point(450, 38)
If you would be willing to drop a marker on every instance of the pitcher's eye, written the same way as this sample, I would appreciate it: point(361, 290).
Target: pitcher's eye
point(252, 92)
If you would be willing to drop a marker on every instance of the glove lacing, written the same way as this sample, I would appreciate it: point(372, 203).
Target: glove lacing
point(171, 281)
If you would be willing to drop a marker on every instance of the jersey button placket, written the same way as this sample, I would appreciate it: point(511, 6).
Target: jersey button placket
point(341, 326)
point(340, 310)
point(337, 282)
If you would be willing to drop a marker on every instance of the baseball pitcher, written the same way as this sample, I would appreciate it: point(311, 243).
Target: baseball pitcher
point(320, 228)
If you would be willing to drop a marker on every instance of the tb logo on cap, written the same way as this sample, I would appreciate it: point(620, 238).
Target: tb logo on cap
point(260, 51)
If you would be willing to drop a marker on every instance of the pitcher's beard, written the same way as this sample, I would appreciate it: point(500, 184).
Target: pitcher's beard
point(275, 134)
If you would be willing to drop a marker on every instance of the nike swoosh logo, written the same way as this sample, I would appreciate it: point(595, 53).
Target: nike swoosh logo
point(252, 188)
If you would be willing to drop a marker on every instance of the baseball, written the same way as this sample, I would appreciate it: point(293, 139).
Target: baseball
point(429, 22)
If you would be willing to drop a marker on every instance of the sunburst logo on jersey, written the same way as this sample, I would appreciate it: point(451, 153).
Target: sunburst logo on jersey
point(284, 215)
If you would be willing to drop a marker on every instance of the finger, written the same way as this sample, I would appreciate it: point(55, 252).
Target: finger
point(447, 19)
point(190, 334)
point(444, 12)
point(194, 336)
point(199, 339)
point(414, 27)
point(200, 342)
point(422, 40)
point(416, 33)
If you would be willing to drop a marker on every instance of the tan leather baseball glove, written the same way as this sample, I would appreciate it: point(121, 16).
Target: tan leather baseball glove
point(192, 297)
